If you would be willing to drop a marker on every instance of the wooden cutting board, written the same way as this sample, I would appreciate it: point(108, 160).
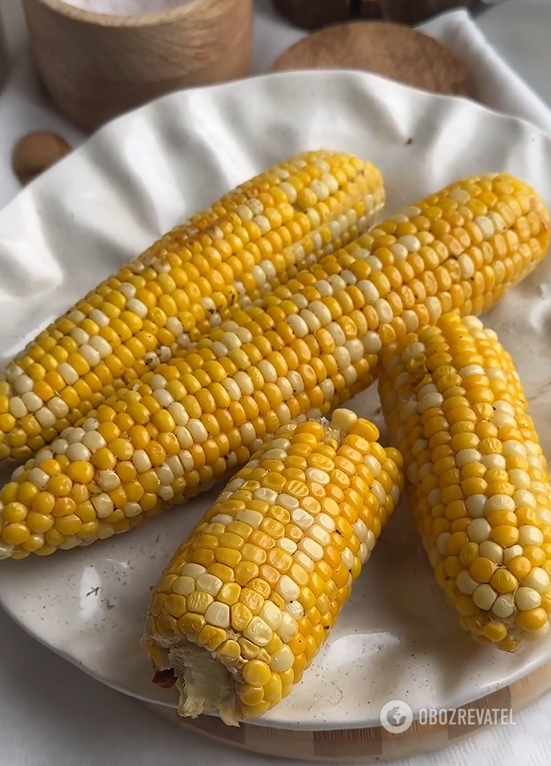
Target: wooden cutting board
point(372, 744)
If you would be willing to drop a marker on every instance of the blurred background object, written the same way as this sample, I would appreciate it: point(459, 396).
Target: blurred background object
point(313, 14)
point(3, 56)
point(95, 66)
point(36, 152)
point(395, 51)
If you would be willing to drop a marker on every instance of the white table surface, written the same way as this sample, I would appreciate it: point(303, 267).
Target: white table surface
point(52, 714)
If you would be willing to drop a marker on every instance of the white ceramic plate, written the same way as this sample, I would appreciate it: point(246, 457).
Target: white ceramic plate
point(130, 183)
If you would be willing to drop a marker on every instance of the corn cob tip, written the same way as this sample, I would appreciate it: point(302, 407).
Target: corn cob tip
point(477, 478)
point(250, 597)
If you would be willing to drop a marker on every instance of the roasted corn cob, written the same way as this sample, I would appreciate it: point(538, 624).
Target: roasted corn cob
point(249, 598)
point(181, 286)
point(313, 347)
point(476, 475)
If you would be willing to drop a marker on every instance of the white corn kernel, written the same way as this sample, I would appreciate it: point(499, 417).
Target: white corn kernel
point(442, 543)
point(287, 545)
point(304, 560)
point(484, 597)
point(538, 579)
point(207, 583)
point(17, 407)
point(271, 615)
point(193, 570)
point(39, 478)
point(131, 510)
point(141, 461)
point(135, 306)
point(512, 553)
point(347, 558)
point(317, 475)
point(499, 503)
point(523, 497)
point(529, 535)
point(31, 401)
point(504, 606)
point(466, 583)
point(197, 430)
point(218, 615)
point(23, 384)
point(466, 456)
point(282, 660)
point(91, 354)
point(527, 598)
point(103, 504)
point(312, 549)
point(253, 518)
point(328, 523)
point(60, 447)
point(222, 518)
point(93, 441)
point(287, 588)
point(478, 530)
point(184, 437)
point(108, 481)
point(68, 373)
point(492, 551)
point(258, 632)
point(102, 346)
point(44, 454)
point(45, 417)
point(288, 628)
point(302, 518)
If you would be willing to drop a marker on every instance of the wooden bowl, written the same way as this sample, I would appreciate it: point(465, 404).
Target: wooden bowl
point(96, 66)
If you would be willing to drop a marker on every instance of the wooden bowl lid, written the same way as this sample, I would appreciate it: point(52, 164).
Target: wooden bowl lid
point(391, 50)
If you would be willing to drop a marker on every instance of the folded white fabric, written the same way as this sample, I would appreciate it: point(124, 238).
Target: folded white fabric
point(517, 27)
point(497, 84)
point(51, 714)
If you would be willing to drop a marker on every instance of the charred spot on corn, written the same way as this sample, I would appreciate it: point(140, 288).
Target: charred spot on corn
point(477, 479)
point(166, 679)
point(249, 598)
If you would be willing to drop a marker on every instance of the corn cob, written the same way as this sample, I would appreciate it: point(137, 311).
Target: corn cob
point(249, 598)
point(476, 475)
point(180, 287)
point(313, 348)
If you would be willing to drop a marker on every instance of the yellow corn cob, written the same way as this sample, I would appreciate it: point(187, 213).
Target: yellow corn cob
point(249, 598)
point(477, 478)
point(188, 281)
point(204, 412)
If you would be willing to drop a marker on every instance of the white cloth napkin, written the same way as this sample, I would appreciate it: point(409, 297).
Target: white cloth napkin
point(52, 714)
